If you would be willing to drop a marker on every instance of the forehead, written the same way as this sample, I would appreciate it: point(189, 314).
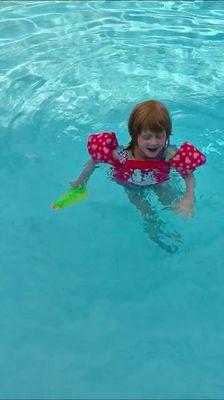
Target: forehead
point(149, 132)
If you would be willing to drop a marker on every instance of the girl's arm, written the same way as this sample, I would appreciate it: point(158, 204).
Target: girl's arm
point(186, 204)
point(84, 176)
point(190, 185)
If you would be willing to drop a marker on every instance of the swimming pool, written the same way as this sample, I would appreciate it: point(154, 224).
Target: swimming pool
point(90, 306)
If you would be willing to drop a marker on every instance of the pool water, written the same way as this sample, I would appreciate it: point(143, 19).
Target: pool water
point(94, 306)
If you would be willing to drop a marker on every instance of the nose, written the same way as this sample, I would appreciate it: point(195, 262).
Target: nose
point(153, 140)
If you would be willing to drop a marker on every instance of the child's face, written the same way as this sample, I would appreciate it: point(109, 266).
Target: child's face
point(150, 143)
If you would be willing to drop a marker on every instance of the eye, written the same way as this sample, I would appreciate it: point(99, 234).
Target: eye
point(147, 136)
point(161, 135)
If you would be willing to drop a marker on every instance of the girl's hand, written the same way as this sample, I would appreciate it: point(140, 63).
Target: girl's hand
point(75, 183)
point(186, 206)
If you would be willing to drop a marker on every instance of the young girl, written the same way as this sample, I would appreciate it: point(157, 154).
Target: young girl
point(147, 160)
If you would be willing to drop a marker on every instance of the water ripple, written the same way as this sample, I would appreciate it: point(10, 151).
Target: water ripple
point(69, 54)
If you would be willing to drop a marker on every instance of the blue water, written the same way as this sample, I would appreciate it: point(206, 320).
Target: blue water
point(91, 306)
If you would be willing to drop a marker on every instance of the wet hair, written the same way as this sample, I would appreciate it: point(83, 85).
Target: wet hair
point(151, 116)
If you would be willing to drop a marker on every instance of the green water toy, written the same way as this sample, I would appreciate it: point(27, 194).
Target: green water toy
point(72, 196)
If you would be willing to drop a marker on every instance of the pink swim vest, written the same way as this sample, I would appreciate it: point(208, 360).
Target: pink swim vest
point(142, 173)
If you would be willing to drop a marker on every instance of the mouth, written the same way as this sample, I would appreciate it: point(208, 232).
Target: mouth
point(153, 149)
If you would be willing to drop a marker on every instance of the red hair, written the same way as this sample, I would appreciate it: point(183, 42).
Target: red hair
point(149, 116)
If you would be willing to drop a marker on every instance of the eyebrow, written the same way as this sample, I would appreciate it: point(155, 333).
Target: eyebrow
point(154, 133)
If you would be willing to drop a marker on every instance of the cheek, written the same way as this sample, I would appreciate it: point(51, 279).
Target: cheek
point(141, 141)
point(163, 141)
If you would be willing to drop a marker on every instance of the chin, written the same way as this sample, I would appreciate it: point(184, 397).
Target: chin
point(152, 153)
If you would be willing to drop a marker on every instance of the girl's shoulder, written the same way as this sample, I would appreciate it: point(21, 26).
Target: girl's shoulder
point(170, 152)
point(123, 153)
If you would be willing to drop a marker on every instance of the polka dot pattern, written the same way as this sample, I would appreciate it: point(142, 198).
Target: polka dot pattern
point(100, 146)
point(187, 159)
